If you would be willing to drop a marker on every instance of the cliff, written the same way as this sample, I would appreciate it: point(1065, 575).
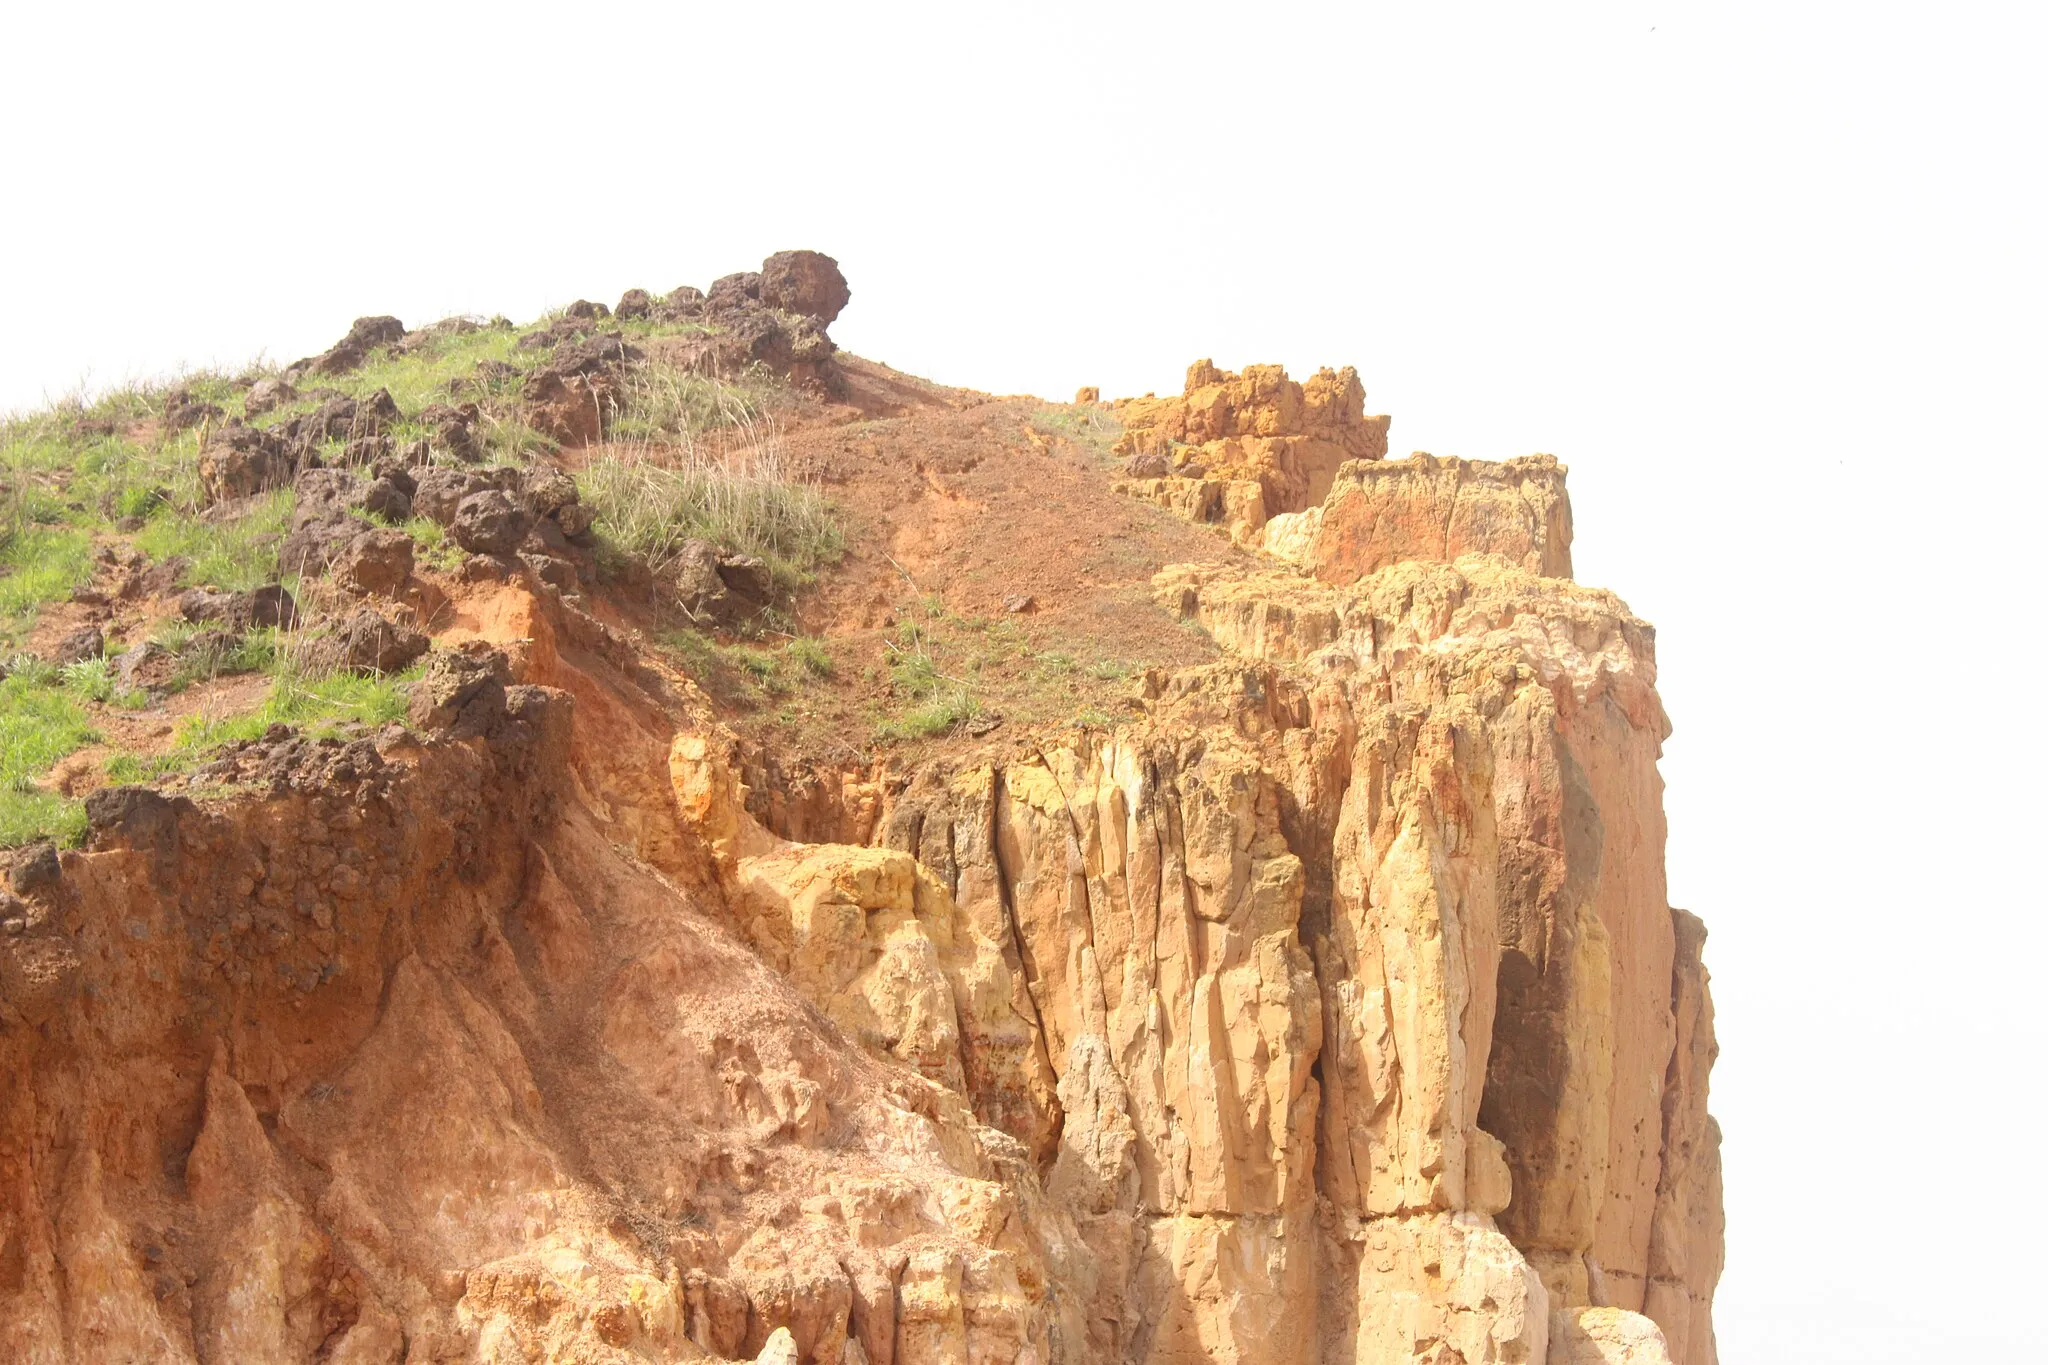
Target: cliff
point(1313, 997)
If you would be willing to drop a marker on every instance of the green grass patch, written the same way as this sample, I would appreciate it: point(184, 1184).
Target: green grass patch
point(431, 545)
point(429, 369)
point(41, 564)
point(26, 816)
point(40, 723)
point(319, 705)
point(811, 656)
point(237, 553)
point(96, 680)
point(937, 714)
point(202, 657)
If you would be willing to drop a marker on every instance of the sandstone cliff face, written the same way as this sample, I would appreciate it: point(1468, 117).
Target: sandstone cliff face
point(1328, 1010)
point(1352, 962)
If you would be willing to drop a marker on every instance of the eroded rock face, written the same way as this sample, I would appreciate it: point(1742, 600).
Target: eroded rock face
point(1240, 449)
point(1350, 968)
point(1330, 1009)
point(1424, 508)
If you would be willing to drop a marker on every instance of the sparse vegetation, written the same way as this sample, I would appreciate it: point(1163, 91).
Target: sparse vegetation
point(743, 500)
point(95, 680)
point(92, 474)
point(750, 674)
point(811, 656)
point(431, 545)
point(317, 702)
point(432, 367)
point(205, 656)
point(936, 701)
point(1091, 427)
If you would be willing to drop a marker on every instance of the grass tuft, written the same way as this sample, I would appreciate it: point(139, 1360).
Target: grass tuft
point(660, 402)
point(96, 680)
point(745, 502)
point(937, 701)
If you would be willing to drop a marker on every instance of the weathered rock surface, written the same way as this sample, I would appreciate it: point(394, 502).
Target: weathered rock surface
point(567, 398)
point(1240, 449)
point(1327, 1009)
point(1422, 507)
point(807, 283)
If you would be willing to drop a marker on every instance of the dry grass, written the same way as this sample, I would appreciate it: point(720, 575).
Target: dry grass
point(654, 499)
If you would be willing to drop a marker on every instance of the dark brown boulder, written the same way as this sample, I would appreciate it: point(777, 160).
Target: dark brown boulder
point(680, 305)
point(322, 521)
point(368, 642)
point(634, 303)
point(39, 871)
point(377, 563)
point(266, 395)
point(344, 419)
point(84, 643)
point(269, 605)
point(1148, 465)
point(466, 683)
point(240, 461)
point(717, 587)
point(575, 520)
point(366, 335)
point(387, 501)
point(566, 398)
point(807, 283)
point(184, 410)
point(796, 348)
point(438, 491)
point(396, 473)
point(747, 576)
point(148, 664)
point(546, 489)
point(489, 523)
point(738, 290)
point(456, 429)
point(202, 605)
point(272, 605)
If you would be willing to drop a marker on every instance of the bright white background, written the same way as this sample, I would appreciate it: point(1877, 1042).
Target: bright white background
point(1768, 276)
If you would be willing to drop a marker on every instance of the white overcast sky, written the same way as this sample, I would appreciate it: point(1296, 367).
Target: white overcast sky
point(1769, 277)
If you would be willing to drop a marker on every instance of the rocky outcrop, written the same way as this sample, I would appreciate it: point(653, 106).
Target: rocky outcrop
point(1241, 449)
point(567, 399)
point(806, 283)
point(364, 336)
point(1424, 508)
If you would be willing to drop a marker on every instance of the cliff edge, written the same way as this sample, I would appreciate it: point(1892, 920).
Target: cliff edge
point(1152, 882)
